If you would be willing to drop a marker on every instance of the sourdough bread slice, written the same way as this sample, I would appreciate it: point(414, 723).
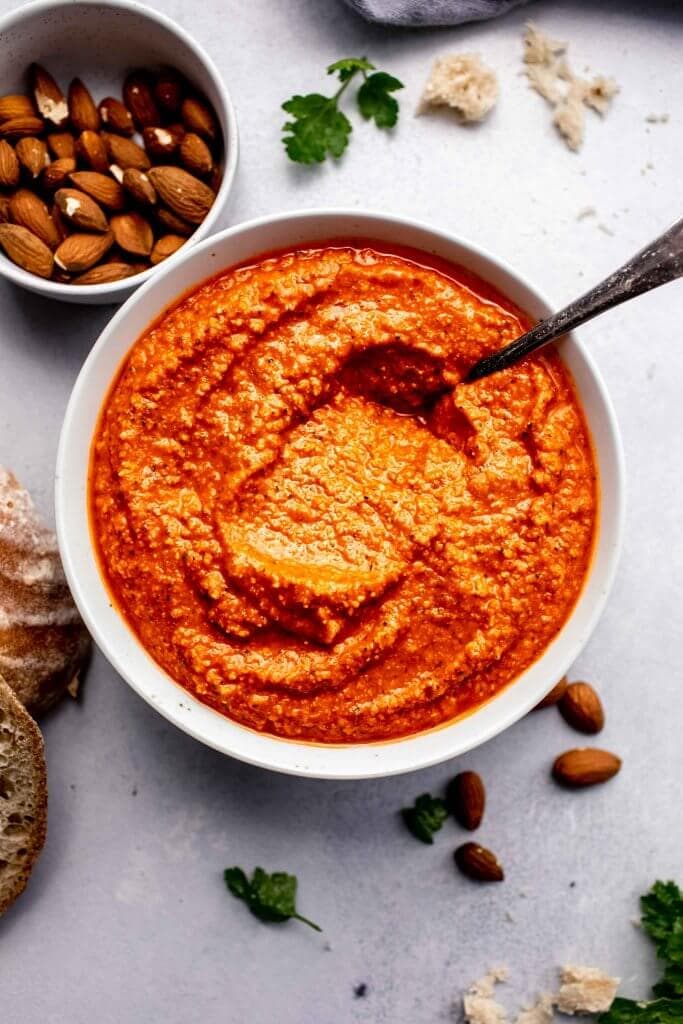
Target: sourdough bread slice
point(23, 796)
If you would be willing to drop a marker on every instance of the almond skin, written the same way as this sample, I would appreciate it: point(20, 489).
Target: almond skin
point(165, 247)
point(4, 209)
point(62, 145)
point(555, 696)
point(126, 153)
point(17, 127)
point(9, 165)
point(82, 110)
point(169, 89)
point(105, 273)
point(57, 173)
point(174, 224)
point(582, 708)
point(195, 155)
point(116, 117)
point(101, 187)
point(80, 252)
point(466, 799)
point(478, 863)
point(49, 97)
point(80, 210)
point(32, 155)
point(139, 98)
point(16, 106)
point(29, 210)
point(26, 250)
point(132, 233)
point(198, 117)
point(585, 766)
point(138, 185)
point(187, 196)
point(91, 149)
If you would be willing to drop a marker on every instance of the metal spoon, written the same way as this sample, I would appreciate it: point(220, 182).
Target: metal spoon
point(658, 263)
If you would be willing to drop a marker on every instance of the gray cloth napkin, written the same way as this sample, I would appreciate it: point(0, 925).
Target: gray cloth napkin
point(431, 12)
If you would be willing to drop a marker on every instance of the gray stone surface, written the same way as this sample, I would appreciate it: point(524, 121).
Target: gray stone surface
point(126, 918)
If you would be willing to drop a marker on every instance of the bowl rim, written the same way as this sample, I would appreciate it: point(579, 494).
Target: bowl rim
point(117, 290)
point(326, 761)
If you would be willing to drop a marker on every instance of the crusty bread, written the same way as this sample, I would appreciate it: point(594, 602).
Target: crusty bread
point(43, 642)
point(23, 796)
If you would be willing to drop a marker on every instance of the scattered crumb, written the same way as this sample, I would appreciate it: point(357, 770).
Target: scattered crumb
point(479, 1006)
point(74, 686)
point(72, 785)
point(360, 991)
point(572, 885)
point(509, 918)
point(657, 118)
point(585, 990)
point(134, 791)
point(541, 1012)
point(603, 227)
point(463, 82)
point(540, 48)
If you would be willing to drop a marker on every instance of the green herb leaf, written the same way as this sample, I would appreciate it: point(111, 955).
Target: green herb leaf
point(662, 919)
point(629, 1011)
point(318, 129)
point(425, 818)
point(375, 100)
point(270, 897)
point(348, 66)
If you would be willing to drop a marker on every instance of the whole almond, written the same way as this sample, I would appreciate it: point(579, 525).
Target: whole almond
point(187, 196)
point(174, 224)
point(195, 155)
point(59, 222)
point(198, 117)
point(466, 799)
point(80, 210)
point(29, 210)
point(116, 117)
point(554, 696)
point(26, 249)
point(62, 144)
point(57, 173)
point(79, 252)
point(585, 766)
point(82, 110)
point(169, 89)
point(92, 151)
point(160, 143)
point(9, 165)
point(139, 98)
point(582, 708)
point(32, 155)
point(132, 233)
point(104, 189)
point(16, 106)
point(126, 153)
point(478, 863)
point(17, 127)
point(105, 273)
point(48, 96)
point(165, 247)
point(138, 185)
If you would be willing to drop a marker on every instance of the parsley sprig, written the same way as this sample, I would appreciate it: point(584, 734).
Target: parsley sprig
point(270, 897)
point(425, 817)
point(319, 128)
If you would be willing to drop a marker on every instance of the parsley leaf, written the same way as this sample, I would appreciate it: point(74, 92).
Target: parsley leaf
point(375, 100)
point(629, 1011)
point(270, 897)
point(318, 127)
point(425, 818)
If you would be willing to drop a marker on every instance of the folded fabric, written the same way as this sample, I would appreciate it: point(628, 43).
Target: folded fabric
point(431, 12)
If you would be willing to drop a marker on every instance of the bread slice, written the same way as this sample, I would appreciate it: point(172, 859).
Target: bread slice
point(23, 796)
point(43, 642)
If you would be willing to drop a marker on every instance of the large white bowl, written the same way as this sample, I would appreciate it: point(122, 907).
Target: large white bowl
point(120, 644)
point(100, 41)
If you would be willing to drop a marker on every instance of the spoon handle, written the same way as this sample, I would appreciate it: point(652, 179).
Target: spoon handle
point(658, 263)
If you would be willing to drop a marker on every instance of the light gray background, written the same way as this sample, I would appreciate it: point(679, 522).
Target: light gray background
point(126, 918)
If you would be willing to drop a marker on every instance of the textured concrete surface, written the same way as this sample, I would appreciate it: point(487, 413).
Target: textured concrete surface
point(126, 918)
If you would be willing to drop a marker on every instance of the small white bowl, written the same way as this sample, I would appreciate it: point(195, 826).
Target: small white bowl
point(100, 41)
point(236, 245)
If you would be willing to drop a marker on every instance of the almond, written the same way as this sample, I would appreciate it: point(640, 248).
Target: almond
point(26, 250)
point(4, 209)
point(57, 173)
point(82, 109)
point(187, 196)
point(32, 155)
point(91, 149)
point(59, 222)
point(49, 97)
point(132, 233)
point(160, 143)
point(554, 696)
point(116, 116)
point(169, 89)
point(198, 117)
point(79, 252)
point(170, 221)
point(195, 155)
point(478, 863)
point(105, 273)
point(62, 144)
point(9, 165)
point(582, 708)
point(139, 98)
point(16, 106)
point(466, 799)
point(17, 127)
point(585, 766)
point(126, 153)
point(29, 210)
point(100, 187)
point(138, 185)
point(165, 247)
point(80, 210)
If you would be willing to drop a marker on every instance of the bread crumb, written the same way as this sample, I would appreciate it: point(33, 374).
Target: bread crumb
point(479, 1006)
point(657, 118)
point(540, 48)
point(570, 117)
point(541, 1012)
point(585, 990)
point(463, 82)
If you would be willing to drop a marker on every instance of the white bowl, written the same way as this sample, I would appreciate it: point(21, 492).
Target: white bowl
point(101, 42)
point(121, 645)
